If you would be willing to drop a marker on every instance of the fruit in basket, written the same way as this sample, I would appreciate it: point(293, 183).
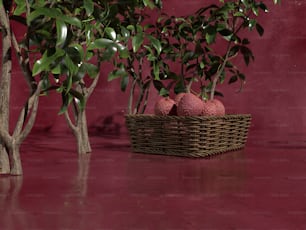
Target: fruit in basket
point(209, 108)
point(213, 108)
point(178, 97)
point(164, 106)
point(220, 107)
point(190, 105)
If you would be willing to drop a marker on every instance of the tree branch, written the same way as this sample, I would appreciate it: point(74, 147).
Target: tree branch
point(131, 96)
point(93, 85)
point(70, 123)
point(24, 64)
point(219, 72)
point(19, 133)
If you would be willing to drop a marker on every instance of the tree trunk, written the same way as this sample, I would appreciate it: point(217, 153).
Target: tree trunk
point(4, 160)
point(81, 134)
point(16, 166)
point(5, 86)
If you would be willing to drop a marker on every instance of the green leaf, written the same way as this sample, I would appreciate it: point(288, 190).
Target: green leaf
point(137, 42)
point(245, 41)
point(109, 52)
point(188, 56)
point(80, 98)
point(20, 7)
point(225, 32)
point(259, 29)
point(164, 92)
point(71, 20)
point(239, 14)
point(123, 51)
point(131, 28)
point(148, 3)
point(156, 44)
point(100, 43)
point(124, 82)
point(125, 32)
point(91, 69)
point(255, 10)
point(72, 68)
point(48, 12)
point(158, 85)
point(233, 79)
point(89, 6)
point(179, 87)
point(77, 51)
point(65, 102)
point(44, 63)
point(234, 50)
point(61, 32)
point(111, 33)
point(241, 76)
point(252, 23)
point(68, 83)
point(211, 35)
point(53, 13)
point(56, 70)
point(118, 73)
point(89, 55)
point(156, 71)
point(263, 7)
point(247, 54)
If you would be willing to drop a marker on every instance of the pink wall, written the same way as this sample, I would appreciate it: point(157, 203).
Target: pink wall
point(274, 93)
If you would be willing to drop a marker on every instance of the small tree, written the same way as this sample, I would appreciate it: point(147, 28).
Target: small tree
point(206, 43)
point(179, 51)
point(74, 39)
point(144, 61)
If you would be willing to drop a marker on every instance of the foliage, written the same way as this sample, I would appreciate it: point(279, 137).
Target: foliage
point(202, 46)
point(144, 50)
point(91, 32)
point(71, 39)
point(206, 42)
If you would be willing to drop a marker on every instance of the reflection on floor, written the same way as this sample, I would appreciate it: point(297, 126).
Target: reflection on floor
point(112, 188)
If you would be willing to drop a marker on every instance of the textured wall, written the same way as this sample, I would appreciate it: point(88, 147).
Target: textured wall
point(274, 93)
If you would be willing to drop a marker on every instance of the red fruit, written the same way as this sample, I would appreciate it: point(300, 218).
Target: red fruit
point(178, 97)
point(190, 105)
point(163, 106)
point(220, 107)
point(209, 108)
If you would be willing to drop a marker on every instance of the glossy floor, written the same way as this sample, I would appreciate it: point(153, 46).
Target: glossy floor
point(260, 187)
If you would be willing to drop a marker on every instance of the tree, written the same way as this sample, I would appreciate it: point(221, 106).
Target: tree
point(206, 42)
point(73, 40)
point(143, 62)
point(86, 37)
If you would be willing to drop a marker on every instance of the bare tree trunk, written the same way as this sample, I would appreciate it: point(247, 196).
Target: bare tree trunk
point(4, 160)
point(84, 133)
point(5, 85)
point(16, 165)
point(79, 126)
point(80, 130)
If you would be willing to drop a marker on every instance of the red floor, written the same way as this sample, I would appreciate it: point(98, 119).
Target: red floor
point(261, 187)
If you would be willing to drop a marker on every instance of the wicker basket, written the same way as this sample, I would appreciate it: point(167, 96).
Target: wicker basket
point(192, 136)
